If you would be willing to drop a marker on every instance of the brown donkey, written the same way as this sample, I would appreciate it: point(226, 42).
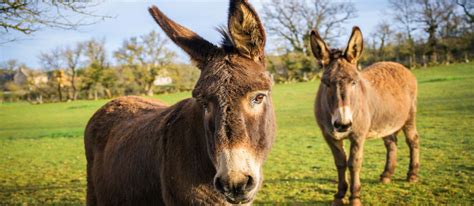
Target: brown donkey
point(358, 105)
point(205, 150)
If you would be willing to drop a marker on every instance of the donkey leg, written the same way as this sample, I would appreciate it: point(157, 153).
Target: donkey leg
point(355, 164)
point(91, 199)
point(412, 139)
point(391, 162)
point(340, 159)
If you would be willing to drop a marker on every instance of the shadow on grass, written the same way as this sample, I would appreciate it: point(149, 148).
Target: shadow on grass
point(394, 180)
point(441, 79)
point(303, 180)
point(294, 203)
point(52, 135)
point(41, 187)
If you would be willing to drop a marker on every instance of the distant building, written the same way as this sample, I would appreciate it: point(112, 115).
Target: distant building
point(163, 78)
point(25, 76)
point(162, 81)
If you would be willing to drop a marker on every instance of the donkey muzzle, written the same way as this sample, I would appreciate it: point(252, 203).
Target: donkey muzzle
point(237, 191)
point(238, 175)
point(342, 119)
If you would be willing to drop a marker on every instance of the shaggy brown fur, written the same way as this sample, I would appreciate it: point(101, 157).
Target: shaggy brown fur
point(376, 102)
point(142, 152)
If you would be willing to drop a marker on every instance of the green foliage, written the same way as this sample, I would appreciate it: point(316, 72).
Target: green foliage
point(414, 53)
point(43, 161)
point(12, 92)
point(184, 77)
point(148, 56)
point(292, 67)
point(6, 74)
point(95, 74)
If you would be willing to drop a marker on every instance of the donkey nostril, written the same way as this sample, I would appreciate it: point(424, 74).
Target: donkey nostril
point(250, 184)
point(338, 125)
point(342, 127)
point(243, 187)
point(219, 185)
point(235, 189)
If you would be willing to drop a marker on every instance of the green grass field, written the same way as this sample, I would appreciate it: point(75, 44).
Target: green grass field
point(42, 156)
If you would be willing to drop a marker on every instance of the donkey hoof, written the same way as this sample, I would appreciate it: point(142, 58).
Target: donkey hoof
point(412, 178)
point(385, 180)
point(356, 202)
point(337, 202)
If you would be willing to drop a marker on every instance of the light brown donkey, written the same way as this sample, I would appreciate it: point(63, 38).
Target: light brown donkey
point(358, 105)
point(205, 150)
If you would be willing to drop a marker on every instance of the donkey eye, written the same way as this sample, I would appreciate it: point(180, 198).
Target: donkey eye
point(258, 99)
point(354, 83)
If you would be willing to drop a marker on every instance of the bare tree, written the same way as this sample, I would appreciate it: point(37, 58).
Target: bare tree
point(11, 64)
point(52, 61)
point(382, 34)
point(292, 20)
point(147, 55)
point(403, 13)
point(468, 7)
point(72, 57)
point(430, 15)
point(28, 17)
point(7, 71)
point(452, 26)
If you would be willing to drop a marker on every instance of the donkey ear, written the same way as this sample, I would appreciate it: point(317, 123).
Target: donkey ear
point(319, 48)
point(246, 30)
point(195, 46)
point(354, 46)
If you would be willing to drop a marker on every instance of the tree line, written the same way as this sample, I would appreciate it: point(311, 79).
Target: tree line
point(416, 33)
point(83, 71)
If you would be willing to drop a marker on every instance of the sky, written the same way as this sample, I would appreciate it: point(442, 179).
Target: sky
point(131, 18)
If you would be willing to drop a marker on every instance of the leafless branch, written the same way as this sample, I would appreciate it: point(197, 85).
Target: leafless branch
point(27, 17)
point(292, 20)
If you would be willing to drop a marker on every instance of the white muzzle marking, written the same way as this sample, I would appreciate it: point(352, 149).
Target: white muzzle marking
point(343, 115)
point(236, 163)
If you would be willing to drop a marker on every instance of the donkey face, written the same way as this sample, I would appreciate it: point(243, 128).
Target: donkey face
point(234, 91)
point(341, 79)
point(239, 124)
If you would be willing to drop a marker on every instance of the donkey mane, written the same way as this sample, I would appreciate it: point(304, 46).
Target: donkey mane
point(226, 40)
point(336, 53)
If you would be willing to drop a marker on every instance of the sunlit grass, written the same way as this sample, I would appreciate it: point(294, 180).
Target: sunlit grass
point(42, 157)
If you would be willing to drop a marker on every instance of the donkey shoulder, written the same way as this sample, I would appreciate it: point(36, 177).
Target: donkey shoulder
point(115, 112)
point(125, 108)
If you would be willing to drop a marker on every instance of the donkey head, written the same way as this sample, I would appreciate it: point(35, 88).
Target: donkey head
point(341, 79)
point(234, 92)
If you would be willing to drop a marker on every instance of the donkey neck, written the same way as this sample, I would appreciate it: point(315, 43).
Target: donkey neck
point(369, 99)
point(185, 121)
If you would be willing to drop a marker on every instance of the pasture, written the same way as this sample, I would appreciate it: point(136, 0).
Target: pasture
point(42, 153)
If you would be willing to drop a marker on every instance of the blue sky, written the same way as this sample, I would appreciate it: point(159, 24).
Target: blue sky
point(132, 19)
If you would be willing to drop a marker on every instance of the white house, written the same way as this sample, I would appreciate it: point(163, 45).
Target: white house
point(162, 81)
point(24, 76)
